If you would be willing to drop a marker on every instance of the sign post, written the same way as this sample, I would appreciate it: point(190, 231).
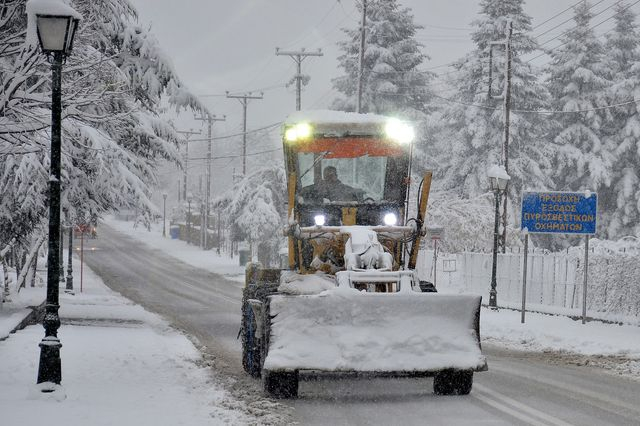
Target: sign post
point(559, 213)
point(524, 275)
point(435, 233)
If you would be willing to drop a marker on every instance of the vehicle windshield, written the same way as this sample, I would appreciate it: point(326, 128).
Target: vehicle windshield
point(342, 179)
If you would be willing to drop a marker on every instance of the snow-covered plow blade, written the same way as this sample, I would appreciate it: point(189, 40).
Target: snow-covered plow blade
point(346, 330)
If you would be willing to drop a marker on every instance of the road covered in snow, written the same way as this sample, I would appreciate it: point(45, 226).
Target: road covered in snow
point(550, 371)
point(121, 365)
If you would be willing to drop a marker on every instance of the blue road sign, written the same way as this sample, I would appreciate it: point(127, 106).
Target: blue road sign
point(559, 212)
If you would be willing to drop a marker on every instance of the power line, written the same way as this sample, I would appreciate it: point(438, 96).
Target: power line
point(571, 18)
point(589, 28)
point(302, 38)
point(237, 155)
point(557, 14)
point(576, 28)
point(541, 112)
point(241, 133)
point(263, 89)
point(439, 27)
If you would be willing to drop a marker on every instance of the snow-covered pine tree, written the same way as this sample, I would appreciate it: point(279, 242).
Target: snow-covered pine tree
point(112, 135)
point(255, 208)
point(578, 85)
point(620, 202)
point(393, 84)
point(473, 138)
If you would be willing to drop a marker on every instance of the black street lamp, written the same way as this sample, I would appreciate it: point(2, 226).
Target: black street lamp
point(69, 288)
point(189, 199)
point(164, 214)
point(55, 35)
point(61, 269)
point(498, 178)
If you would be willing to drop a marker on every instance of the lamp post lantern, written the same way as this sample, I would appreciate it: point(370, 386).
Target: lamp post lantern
point(498, 179)
point(164, 214)
point(55, 35)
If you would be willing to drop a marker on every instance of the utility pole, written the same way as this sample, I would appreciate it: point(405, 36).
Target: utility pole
point(244, 100)
point(298, 57)
point(361, 59)
point(210, 119)
point(506, 97)
point(186, 159)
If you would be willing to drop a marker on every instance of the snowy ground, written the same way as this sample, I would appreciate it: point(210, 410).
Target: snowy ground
point(121, 365)
point(616, 347)
point(188, 253)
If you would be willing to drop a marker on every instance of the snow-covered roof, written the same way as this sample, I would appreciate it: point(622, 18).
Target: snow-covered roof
point(339, 123)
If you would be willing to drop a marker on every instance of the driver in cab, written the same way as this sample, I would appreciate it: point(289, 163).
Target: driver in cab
point(333, 189)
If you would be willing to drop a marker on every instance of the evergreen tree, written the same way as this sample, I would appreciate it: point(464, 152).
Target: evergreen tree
point(112, 136)
point(473, 138)
point(619, 202)
point(393, 83)
point(578, 84)
point(256, 210)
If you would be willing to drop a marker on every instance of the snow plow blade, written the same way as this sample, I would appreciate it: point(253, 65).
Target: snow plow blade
point(344, 330)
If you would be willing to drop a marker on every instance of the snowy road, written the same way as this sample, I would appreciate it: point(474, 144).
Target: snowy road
point(520, 388)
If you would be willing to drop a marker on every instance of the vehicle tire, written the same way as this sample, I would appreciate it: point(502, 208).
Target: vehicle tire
point(453, 382)
point(251, 350)
point(280, 384)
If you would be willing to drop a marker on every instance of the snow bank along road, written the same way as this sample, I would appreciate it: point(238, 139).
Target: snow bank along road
point(519, 388)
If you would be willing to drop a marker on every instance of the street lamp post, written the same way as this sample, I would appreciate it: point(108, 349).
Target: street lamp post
point(61, 257)
point(189, 198)
point(55, 35)
point(499, 179)
point(69, 288)
point(164, 214)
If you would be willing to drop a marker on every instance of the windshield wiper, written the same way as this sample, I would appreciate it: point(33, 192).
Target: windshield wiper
point(324, 154)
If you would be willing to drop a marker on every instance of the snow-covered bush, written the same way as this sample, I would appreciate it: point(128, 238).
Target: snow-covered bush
point(255, 210)
point(468, 223)
point(613, 285)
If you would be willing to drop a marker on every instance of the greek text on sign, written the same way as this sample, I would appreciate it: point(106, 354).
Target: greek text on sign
point(559, 212)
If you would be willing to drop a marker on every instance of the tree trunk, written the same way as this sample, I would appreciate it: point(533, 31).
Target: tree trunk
point(34, 270)
point(5, 273)
point(26, 266)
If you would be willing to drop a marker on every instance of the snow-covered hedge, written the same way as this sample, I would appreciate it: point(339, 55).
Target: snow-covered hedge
point(613, 284)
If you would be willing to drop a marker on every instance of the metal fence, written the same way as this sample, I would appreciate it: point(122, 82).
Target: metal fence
point(551, 277)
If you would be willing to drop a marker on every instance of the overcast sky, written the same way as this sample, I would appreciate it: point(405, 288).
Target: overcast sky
point(217, 46)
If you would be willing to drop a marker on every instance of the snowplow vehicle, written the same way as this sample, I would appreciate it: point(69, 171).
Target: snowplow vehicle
point(350, 300)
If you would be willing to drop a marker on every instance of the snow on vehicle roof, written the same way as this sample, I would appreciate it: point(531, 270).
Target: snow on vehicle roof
point(339, 123)
point(329, 116)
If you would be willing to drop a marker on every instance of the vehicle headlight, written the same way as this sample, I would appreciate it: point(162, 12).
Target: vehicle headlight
point(399, 131)
point(390, 219)
point(297, 132)
point(319, 219)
